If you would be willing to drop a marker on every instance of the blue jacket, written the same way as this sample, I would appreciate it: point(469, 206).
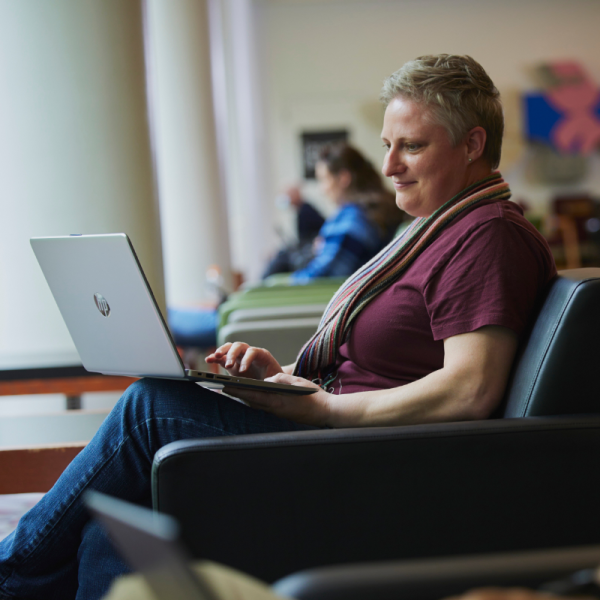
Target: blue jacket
point(350, 239)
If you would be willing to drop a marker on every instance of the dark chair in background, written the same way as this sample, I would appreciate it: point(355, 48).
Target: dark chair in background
point(273, 504)
point(434, 579)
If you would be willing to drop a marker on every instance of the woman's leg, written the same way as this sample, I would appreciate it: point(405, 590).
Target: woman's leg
point(98, 562)
point(39, 559)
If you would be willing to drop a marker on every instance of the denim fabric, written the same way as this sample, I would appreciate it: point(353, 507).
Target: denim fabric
point(56, 553)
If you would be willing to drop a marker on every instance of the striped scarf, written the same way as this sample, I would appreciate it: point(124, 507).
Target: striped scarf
point(319, 354)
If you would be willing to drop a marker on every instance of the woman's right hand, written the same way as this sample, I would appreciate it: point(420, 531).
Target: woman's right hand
point(238, 358)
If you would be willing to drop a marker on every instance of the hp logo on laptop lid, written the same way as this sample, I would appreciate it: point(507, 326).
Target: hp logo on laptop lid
point(102, 304)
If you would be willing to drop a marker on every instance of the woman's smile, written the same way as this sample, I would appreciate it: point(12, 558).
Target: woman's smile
point(400, 185)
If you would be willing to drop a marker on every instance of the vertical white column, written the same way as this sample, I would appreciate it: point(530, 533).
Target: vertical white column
point(74, 153)
point(236, 33)
point(193, 205)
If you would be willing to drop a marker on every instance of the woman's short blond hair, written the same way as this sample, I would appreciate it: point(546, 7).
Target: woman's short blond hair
point(459, 93)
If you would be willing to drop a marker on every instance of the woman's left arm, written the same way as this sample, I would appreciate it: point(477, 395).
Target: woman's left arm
point(469, 386)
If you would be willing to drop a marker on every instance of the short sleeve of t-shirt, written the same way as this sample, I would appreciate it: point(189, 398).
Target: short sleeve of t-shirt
point(493, 278)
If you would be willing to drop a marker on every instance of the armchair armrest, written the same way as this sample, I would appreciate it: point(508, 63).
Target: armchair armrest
point(272, 504)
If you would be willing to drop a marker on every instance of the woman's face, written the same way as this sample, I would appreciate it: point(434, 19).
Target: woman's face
point(425, 168)
point(333, 186)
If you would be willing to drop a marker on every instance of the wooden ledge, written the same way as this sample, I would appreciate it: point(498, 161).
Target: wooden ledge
point(70, 386)
point(35, 469)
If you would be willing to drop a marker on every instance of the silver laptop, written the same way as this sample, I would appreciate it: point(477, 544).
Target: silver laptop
point(149, 543)
point(112, 316)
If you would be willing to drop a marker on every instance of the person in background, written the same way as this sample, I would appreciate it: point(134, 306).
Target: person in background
point(196, 326)
point(308, 224)
point(364, 222)
point(310, 220)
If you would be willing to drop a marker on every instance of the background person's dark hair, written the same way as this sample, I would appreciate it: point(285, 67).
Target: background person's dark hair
point(343, 157)
point(366, 185)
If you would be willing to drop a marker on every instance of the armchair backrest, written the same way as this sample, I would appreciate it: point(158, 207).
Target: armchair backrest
point(555, 369)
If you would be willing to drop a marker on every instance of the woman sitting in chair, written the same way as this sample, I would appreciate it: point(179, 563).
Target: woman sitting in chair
point(425, 332)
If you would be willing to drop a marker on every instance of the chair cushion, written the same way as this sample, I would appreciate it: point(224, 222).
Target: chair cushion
point(554, 373)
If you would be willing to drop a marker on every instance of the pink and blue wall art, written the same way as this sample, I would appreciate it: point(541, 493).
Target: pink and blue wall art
point(566, 115)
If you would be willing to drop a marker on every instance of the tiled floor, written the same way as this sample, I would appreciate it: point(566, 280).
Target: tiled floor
point(12, 508)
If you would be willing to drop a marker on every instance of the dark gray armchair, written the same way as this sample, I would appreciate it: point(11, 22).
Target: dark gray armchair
point(274, 504)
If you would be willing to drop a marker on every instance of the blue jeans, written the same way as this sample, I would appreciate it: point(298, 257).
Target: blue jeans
point(56, 552)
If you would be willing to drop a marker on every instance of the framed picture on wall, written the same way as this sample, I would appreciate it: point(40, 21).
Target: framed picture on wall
point(312, 142)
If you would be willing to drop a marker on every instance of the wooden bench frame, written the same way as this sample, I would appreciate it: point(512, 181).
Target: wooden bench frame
point(36, 468)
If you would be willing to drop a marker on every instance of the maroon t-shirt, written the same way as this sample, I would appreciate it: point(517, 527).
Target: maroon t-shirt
point(488, 267)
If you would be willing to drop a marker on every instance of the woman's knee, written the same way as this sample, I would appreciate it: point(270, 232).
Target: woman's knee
point(138, 396)
point(151, 398)
point(146, 389)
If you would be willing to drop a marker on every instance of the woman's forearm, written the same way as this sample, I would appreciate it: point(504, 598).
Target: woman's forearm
point(438, 397)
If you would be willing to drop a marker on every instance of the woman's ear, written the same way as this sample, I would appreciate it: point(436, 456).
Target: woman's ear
point(344, 178)
point(475, 141)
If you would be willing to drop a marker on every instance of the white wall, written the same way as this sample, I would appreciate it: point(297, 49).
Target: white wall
point(74, 154)
point(238, 77)
point(325, 62)
point(193, 205)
